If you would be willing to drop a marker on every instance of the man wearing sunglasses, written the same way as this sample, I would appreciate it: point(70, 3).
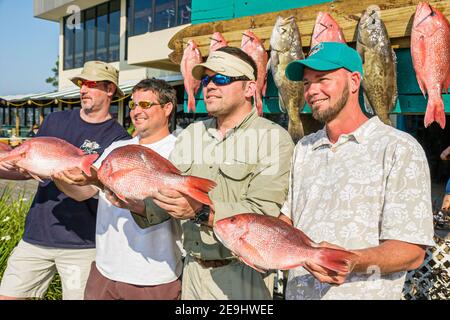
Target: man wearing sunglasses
point(59, 231)
point(138, 251)
point(248, 157)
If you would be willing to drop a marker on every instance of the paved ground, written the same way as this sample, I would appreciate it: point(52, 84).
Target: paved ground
point(27, 186)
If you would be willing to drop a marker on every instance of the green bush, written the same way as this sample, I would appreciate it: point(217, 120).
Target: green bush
point(13, 210)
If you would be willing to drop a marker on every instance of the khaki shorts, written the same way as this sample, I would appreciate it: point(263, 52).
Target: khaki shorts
point(31, 268)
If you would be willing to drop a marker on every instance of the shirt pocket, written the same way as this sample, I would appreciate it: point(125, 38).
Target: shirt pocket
point(236, 170)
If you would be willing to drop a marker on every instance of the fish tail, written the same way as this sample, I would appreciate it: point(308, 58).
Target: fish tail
point(198, 188)
point(435, 112)
point(86, 163)
point(191, 102)
point(334, 259)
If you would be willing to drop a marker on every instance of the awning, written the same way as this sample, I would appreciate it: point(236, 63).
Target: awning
point(74, 93)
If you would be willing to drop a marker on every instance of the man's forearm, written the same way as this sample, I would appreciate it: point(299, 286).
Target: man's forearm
point(390, 256)
point(78, 193)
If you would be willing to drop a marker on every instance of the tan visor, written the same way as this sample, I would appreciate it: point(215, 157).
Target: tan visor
point(224, 63)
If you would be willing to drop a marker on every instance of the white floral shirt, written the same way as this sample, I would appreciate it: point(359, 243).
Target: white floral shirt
point(371, 185)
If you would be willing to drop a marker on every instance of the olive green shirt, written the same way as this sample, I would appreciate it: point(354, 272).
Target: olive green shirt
point(250, 166)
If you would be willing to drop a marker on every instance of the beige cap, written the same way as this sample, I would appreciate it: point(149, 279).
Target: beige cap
point(99, 71)
point(224, 63)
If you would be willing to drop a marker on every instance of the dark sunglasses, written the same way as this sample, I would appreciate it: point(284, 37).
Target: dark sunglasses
point(143, 104)
point(88, 83)
point(221, 80)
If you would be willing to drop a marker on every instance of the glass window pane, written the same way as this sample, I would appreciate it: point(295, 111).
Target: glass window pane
point(184, 11)
point(68, 46)
point(142, 16)
point(79, 45)
point(102, 29)
point(164, 14)
point(114, 31)
point(90, 34)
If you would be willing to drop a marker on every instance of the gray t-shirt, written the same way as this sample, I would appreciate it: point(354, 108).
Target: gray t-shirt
point(371, 185)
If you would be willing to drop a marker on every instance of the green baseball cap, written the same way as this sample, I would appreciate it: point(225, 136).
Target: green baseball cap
point(326, 56)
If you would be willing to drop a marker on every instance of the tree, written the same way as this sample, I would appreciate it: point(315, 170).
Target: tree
point(54, 80)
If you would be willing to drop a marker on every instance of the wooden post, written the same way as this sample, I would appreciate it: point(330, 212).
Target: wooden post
point(121, 113)
point(17, 122)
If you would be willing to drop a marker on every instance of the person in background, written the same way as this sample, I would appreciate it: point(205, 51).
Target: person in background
point(445, 156)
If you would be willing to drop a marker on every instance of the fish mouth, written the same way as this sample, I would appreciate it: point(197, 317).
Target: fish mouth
point(424, 8)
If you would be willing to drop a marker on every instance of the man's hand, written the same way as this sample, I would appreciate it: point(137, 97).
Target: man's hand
point(75, 176)
point(329, 276)
point(445, 155)
point(137, 206)
point(176, 204)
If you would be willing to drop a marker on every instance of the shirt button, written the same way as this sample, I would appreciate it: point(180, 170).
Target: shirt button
point(333, 150)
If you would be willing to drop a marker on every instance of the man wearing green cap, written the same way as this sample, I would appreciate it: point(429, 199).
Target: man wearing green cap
point(248, 157)
point(356, 184)
point(59, 231)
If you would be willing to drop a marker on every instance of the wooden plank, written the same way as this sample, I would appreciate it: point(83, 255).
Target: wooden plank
point(397, 16)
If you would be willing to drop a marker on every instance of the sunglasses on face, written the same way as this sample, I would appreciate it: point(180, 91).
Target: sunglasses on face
point(88, 83)
point(143, 104)
point(221, 80)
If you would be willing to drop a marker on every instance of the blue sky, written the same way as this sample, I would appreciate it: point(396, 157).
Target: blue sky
point(28, 49)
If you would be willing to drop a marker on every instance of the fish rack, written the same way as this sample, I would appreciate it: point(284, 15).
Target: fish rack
point(397, 16)
point(431, 281)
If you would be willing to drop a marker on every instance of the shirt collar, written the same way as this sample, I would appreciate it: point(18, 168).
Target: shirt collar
point(211, 126)
point(359, 135)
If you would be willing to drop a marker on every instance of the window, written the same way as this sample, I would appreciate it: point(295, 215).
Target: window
point(153, 15)
point(98, 37)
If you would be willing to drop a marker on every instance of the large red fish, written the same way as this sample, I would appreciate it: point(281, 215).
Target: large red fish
point(135, 172)
point(268, 243)
point(430, 51)
point(326, 29)
point(44, 156)
point(217, 42)
point(191, 57)
point(254, 47)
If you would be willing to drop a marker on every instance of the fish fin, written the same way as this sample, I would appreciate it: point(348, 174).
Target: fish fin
point(14, 157)
point(333, 259)
point(35, 177)
point(198, 188)
point(191, 102)
point(258, 102)
point(251, 265)
point(86, 163)
point(367, 106)
point(281, 103)
point(435, 112)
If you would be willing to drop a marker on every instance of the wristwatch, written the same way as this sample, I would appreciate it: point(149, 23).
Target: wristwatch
point(202, 216)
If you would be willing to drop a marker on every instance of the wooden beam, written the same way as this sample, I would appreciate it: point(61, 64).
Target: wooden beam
point(397, 16)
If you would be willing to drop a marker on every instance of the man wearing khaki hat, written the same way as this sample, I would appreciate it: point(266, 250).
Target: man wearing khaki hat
point(248, 157)
point(59, 231)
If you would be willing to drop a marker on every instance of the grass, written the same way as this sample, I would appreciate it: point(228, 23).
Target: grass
point(13, 210)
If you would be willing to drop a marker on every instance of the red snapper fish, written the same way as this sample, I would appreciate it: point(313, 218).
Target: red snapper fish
point(326, 29)
point(430, 51)
point(135, 172)
point(268, 243)
point(191, 57)
point(254, 47)
point(4, 149)
point(44, 156)
point(217, 42)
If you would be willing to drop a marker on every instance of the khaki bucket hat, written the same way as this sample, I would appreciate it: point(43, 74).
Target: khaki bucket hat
point(99, 71)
